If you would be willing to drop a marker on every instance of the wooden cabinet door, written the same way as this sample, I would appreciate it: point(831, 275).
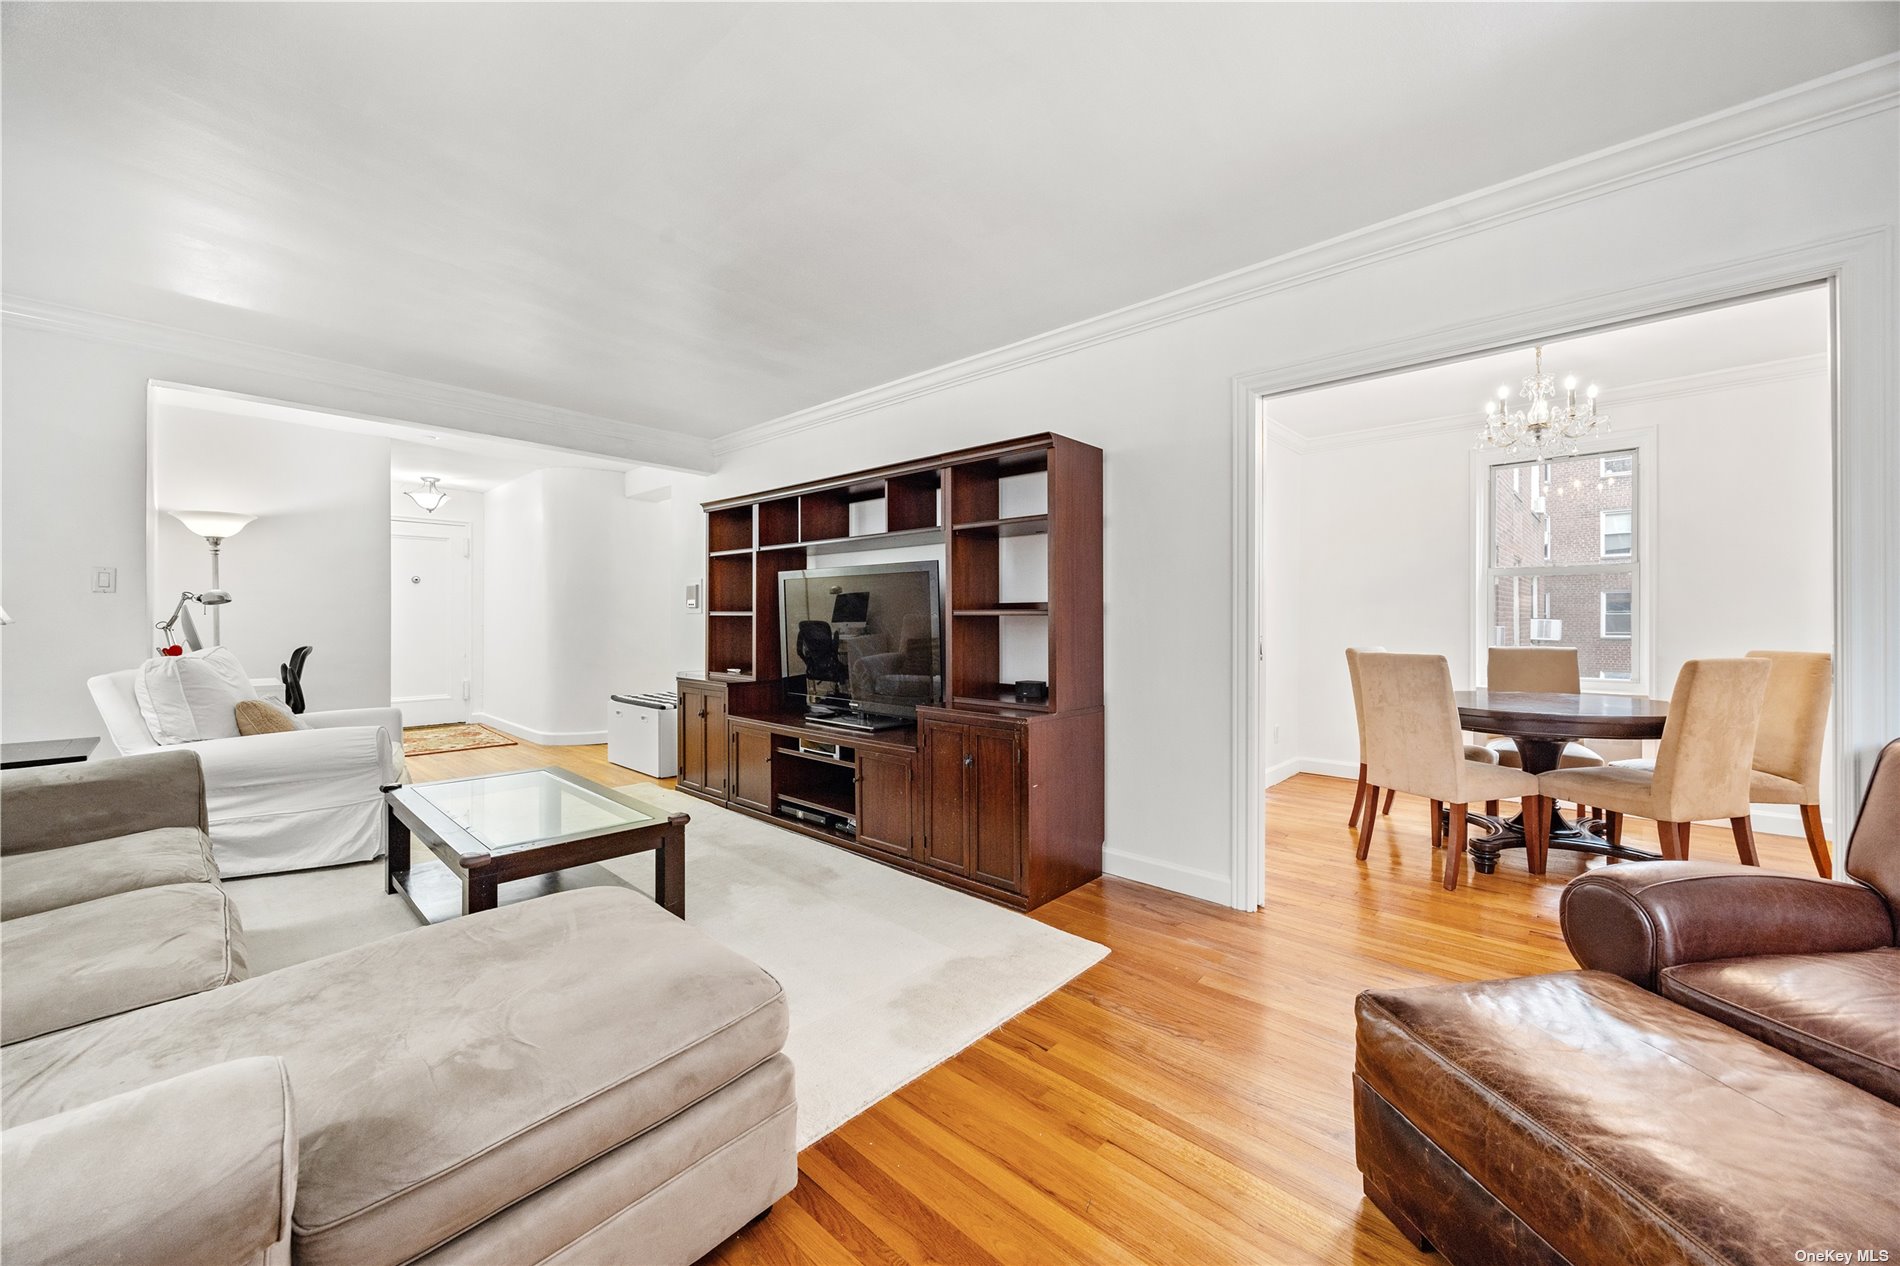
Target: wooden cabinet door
point(693, 739)
point(752, 768)
point(993, 805)
point(718, 758)
point(945, 834)
point(884, 801)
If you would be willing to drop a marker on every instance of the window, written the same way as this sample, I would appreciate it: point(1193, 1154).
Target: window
point(1562, 562)
point(1616, 613)
point(1614, 530)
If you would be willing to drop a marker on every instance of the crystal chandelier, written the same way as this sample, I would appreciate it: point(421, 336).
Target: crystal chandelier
point(1543, 427)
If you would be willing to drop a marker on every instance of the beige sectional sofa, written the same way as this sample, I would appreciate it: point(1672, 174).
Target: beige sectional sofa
point(577, 1078)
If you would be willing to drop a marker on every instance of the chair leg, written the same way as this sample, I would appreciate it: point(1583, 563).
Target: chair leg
point(1670, 841)
point(1537, 833)
point(1817, 840)
point(1455, 858)
point(1613, 828)
point(1366, 819)
point(1438, 824)
point(1744, 840)
point(1491, 808)
point(1389, 793)
point(1682, 840)
point(1358, 797)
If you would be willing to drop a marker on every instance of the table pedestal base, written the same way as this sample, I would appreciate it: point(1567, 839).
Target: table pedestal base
point(1581, 836)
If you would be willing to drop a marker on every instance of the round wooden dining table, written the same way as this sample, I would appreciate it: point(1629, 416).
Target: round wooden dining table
point(1541, 725)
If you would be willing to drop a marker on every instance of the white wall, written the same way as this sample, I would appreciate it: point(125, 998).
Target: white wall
point(1159, 399)
point(1740, 552)
point(74, 482)
point(560, 592)
point(313, 570)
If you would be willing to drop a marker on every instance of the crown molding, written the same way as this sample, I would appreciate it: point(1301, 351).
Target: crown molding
point(1757, 375)
point(483, 412)
point(1829, 101)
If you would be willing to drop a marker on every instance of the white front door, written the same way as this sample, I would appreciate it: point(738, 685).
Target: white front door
point(431, 634)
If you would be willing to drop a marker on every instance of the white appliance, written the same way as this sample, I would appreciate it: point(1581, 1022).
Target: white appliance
point(643, 733)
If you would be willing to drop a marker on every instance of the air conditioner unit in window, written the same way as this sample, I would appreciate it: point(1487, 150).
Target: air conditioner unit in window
point(1537, 503)
point(1547, 630)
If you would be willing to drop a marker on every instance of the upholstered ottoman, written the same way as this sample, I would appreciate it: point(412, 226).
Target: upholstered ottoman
point(1577, 1118)
point(576, 1078)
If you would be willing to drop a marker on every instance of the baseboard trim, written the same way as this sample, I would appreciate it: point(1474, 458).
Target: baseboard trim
point(1186, 880)
point(1774, 819)
point(545, 738)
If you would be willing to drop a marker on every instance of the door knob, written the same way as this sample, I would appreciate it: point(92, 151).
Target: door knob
point(415, 580)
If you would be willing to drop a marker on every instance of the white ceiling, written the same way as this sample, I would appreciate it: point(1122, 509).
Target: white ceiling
point(701, 217)
point(1623, 363)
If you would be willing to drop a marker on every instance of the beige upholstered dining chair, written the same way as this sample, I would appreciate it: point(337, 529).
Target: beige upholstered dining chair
point(1413, 744)
point(1472, 751)
point(1787, 764)
point(1538, 670)
point(1702, 767)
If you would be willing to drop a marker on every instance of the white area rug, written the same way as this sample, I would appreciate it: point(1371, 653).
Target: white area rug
point(887, 975)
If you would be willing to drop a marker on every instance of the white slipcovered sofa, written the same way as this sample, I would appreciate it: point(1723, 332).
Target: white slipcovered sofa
point(290, 801)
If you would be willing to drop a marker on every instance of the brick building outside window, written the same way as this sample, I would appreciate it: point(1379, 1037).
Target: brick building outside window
point(1563, 558)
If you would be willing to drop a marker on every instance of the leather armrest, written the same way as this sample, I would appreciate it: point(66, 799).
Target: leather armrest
point(1636, 919)
point(58, 805)
point(199, 1170)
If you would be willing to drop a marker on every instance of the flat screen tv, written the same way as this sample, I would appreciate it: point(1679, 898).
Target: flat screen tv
point(866, 641)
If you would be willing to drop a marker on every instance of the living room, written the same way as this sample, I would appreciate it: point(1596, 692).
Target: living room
point(1079, 314)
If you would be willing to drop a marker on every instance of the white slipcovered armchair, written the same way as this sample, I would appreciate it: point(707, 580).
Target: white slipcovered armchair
point(289, 801)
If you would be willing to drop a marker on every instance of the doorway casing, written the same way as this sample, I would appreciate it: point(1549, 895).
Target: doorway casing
point(1858, 269)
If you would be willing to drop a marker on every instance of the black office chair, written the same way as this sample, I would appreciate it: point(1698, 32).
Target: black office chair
point(818, 647)
point(291, 675)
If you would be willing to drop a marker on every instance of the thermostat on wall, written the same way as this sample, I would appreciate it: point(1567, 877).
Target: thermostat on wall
point(692, 597)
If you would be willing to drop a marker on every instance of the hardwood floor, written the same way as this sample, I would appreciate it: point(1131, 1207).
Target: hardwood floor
point(1186, 1100)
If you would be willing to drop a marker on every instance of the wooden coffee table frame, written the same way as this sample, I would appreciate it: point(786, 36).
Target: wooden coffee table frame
point(481, 873)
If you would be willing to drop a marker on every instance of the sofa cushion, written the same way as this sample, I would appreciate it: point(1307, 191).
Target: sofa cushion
point(443, 1074)
point(118, 953)
point(1621, 1127)
point(32, 883)
point(1839, 1012)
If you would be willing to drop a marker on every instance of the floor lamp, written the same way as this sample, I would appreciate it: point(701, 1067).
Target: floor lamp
point(214, 526)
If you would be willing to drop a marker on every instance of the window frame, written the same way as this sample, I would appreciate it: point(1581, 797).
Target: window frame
point(1604, 471)
point(1644, 478)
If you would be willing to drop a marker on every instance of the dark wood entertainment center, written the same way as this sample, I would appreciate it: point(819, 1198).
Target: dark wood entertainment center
point(988, 793)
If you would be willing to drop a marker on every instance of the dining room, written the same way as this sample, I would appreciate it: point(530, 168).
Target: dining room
point(1542, 609)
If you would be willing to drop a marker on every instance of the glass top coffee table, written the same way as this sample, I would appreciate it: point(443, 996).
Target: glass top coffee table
point(535, 830)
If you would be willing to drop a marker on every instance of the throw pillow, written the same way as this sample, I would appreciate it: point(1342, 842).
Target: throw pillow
point(261, 716)
point(189, 698)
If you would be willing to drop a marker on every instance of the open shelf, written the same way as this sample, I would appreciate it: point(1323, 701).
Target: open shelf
point(823, 802)
point(1001, 699)
point(911, 501)
point(729, 584)
point(729, 645)
point(875, 540)
point(778, 522)
point(729, 529)
point(813, 756)
point(1021, 525)
point(1007, 608)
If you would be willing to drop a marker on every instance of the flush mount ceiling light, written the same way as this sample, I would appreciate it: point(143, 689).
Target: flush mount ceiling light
point(1546, 426)
point(430, 498)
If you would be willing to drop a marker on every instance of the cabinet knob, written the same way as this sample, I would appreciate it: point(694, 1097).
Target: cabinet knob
point(969, 760)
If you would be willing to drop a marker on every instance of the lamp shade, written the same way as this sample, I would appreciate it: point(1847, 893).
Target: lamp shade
point(212, 522)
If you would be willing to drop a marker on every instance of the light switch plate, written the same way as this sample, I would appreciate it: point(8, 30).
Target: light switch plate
point(105, 580)
point(692, 597)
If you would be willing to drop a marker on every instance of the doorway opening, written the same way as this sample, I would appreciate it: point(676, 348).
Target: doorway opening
point(1701, 522)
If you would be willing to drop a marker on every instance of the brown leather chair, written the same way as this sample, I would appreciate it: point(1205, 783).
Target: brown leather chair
point(1787, 765)
point(1413, 745)
point(1720, 1085)
point(1701, 770)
